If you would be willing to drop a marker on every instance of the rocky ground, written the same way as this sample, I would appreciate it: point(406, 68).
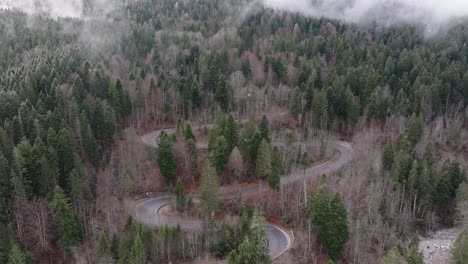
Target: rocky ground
point(437, 248)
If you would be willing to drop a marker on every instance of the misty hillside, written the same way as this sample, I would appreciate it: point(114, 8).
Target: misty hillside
point(241, 131)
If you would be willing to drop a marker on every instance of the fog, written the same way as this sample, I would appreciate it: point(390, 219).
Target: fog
point(62, 8)
point(433, 14)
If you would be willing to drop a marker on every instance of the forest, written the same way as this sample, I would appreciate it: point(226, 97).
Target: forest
point(259, 135)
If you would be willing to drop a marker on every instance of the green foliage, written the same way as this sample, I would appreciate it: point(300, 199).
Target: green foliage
point(181, 202)
point(388, 157)
point(17, 256)
point(414, 255)
point(444, 196)
point(69, 228)
point(329, 217)
point(223, 93)
point(230, 133)
point(415, 128)
point(104, 255)
point(229, 237)
point(220, 154)
point(137, 254)
point(249, 142)
point(165, 158)
point(460, 248)
point(209, 189)
point(264, 161)
point(264, 130)
point(274, 179)
point(254, 249)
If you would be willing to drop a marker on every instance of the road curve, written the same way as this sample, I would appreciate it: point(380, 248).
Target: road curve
point(148, 211)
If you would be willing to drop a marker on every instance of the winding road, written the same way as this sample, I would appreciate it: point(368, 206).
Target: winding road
point(148, 210)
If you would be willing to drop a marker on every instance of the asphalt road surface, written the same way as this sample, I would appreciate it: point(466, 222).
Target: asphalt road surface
point(148, 210)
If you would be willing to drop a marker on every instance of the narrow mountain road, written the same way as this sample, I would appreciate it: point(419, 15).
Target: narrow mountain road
point(148, 210)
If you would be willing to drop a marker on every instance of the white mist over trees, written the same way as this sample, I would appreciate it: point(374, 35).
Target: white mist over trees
point(434, 14)
point(62, 8)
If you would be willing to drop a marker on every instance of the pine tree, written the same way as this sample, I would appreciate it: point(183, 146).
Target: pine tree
point(388, 157)
point(188, 133)
point(415, 128)
point(180, 197)
point(230, 133)
point(249, 143)
point(65, 154)
point(165, 157)
point(89, 141)
point(264, 130)
point(17, 256)
point(274, 179)
point(104, 255)
point(123, 250)
point(69, 227)
point(460, 248)
point(263, 164)
point(254, 249)
point(414, 255)
point(297, 104)
point(329, 217)
point(5, 242)
point(220, 154)
point(338, 228)
point(223, 93)
point(137, 254)
point(209, 190)
point(103, 245)
point(5, 189)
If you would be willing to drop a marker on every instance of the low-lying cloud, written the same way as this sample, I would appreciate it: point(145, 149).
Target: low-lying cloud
point(434, 14)
point(62, 8)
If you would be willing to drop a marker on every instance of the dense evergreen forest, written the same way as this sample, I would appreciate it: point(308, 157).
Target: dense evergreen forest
point(76, 95)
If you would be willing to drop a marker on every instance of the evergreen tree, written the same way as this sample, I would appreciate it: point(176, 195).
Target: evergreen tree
point(223, 93)
point(274, 179)
point(209, 190)
point(65, 154)
point(5, 242)
point(68, 226)
point(89, 141)
point(103, 245)
point(263, 169)
point(220, 154)
point(264, 130)
point(230, 133)
point(123, 250)
point(17, 256)
point(388, 157)
point(188, 133)
point(255, 248)
point(320, 104)
point(5, 189)
point(137, 254)
point(460, 248)
point(338, 228)
point(415, 128)
point(249, 142)
point(104, 255)
point(165, 158)
point(414, 255)
point(180, 197)
point(296, 107)
point(329, 217)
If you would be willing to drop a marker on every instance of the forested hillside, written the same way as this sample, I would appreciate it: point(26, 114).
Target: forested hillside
point(256, 97)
